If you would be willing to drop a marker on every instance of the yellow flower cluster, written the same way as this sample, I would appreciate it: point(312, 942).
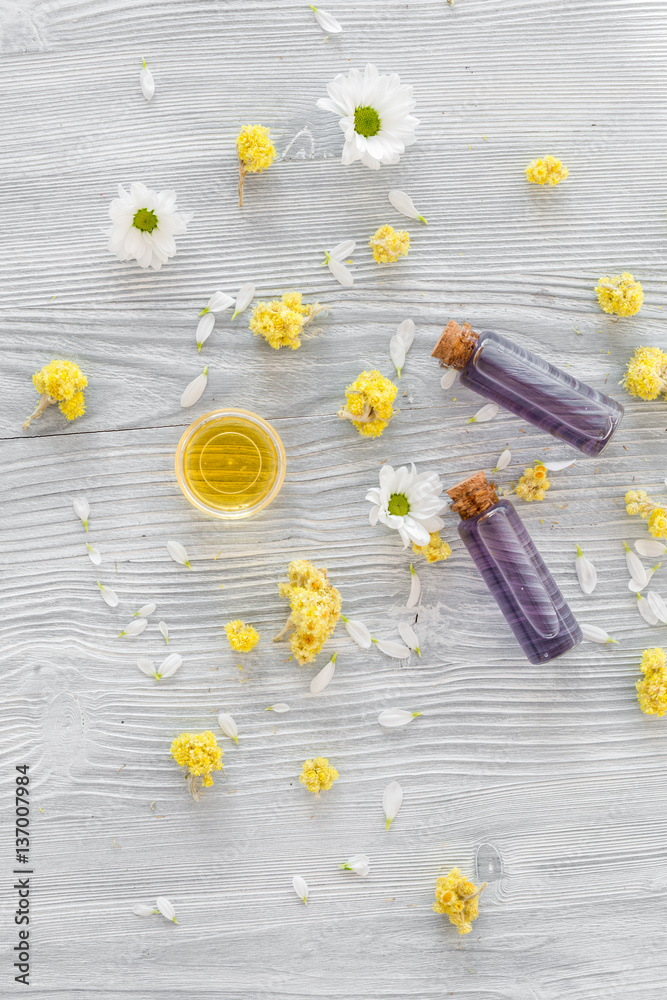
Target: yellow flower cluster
point(315, 608)
point(281, 322)
point(241, 637)
point(546, 171)
point(458, 898)
point(369, 403)
point(436, 550)
point(533, 483)
point(646, 375)
point(200, 753)
point(255, 149)
point(60, 382)
point(318, 775)
point(652, 688)
point(388, 244)
point(639, 502)
point(620, 294)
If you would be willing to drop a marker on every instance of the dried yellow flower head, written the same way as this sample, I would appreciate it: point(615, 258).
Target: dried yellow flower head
point(388, 244)
point(639, 502)
point(59, 382)
point(657, 523)
point(620, 294)
point(436, 550)
point(315, 608)
point(652, 688)
point(646, 375)
point(458, 898)
point(546, 171)
point(200, 754)
point(256, 152)
point(318, 775)
point(241, 637)
point(533, 484)
point(281, 322)
point(369, 403)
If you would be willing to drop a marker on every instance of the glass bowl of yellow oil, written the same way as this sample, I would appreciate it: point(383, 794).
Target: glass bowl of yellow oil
point(230, 463)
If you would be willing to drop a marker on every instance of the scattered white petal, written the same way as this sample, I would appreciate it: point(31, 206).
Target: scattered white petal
point(409, 637)
point(358, 632)
point(360, 864)
point(327, 22)
point(170, 665)
point(110, 596)
point(341, 273)
point(95, 554)
point(279, 708)
point(406, 332)
point(82, 510)
point(486, 413)
point(595, 634)
point(635, 567)
point(415, 589)
point(204, 329)
point(638, 587)
point(218, 302)
point(228, 726)
point(392, 800)
point(147, 667)
point(135, 627)
point(658, 606)
point(448, 379)
point(392, 717)
point(166, 908)
point(178, 553)
point(650, 547)
point(164, 630)
point(325, 676)
point(147, 82)
point(557, 466)
point(143, 910)
point(586, 572)
point(404, 204)
point(343, 250)
point(504, 460)
point(145, 611)
point(300, 887)
point(193, 392)
point(646, 611)
point(397, 353)
point(244, 298)
point(393, 649)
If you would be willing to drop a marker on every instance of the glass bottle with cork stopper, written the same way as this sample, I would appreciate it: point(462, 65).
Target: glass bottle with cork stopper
point(520, 381)
point(514, 570)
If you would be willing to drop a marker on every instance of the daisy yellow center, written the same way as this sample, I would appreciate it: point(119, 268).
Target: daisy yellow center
point(145, 220)
point(366, 121)
point(398, 504)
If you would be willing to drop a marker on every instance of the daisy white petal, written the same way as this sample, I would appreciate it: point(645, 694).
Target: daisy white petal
point(218, 302)
point(170, 665)
point(82, 510)
point(164, 630)
point(144, 225)
point(145, 610)
point(343, 250)
point(193, 392)
point(392, 799)
point(135, 627)
point(586, 572)
point(94, 554)
point(228, 726)
point(358, 632)
point(486, 413)
point(658, 606)
point(448, 379)
point(504, 460)
point(392, 717)
point(397, 353)
point(404, 204)
point(360, 864)
point(178, 553)
point(557, 466)
point(393, 649)
point(325, 676)
point(409, 637)
point(415, 589)
point(406, 332)
point(279, 708)
point(147, 82)
point(646, 611)
point(326, 21)
point(245, 296)
point(649, 547)
point(594, 634)
point(300, 887)
point(109, 596)
point(204, 329)
point(143, 910)
point(635, 567)
point(166, 908)
point(147, 667)
point(342, 274)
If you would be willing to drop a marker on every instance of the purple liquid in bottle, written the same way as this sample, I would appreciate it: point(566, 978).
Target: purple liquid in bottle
point(514, 571)
point(519, 381)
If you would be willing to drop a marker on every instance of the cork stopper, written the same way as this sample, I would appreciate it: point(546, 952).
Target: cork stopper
point(473, 496)
point(456, 344)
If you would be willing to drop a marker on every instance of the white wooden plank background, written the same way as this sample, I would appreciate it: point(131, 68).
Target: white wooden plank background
point(547, 781)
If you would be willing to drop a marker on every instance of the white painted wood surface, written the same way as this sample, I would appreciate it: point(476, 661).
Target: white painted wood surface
point(547, 781)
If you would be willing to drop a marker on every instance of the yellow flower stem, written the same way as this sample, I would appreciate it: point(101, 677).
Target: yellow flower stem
point(242, 173)
point(289, 624)
point(39, 409)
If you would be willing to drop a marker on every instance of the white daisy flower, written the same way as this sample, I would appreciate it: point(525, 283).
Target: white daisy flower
point(595, 634)
point(147, 82)
point(228, 726)
point(415, 589)
point(392, 717)
point(404, 204)
point(327, 22)
point(392, 799)
point(374, 111)
point(300, 887)
point(586, 572)
point(144, 225)
point(360, 864)
point(408, 503)
point(334, 261)
point(323, 679)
